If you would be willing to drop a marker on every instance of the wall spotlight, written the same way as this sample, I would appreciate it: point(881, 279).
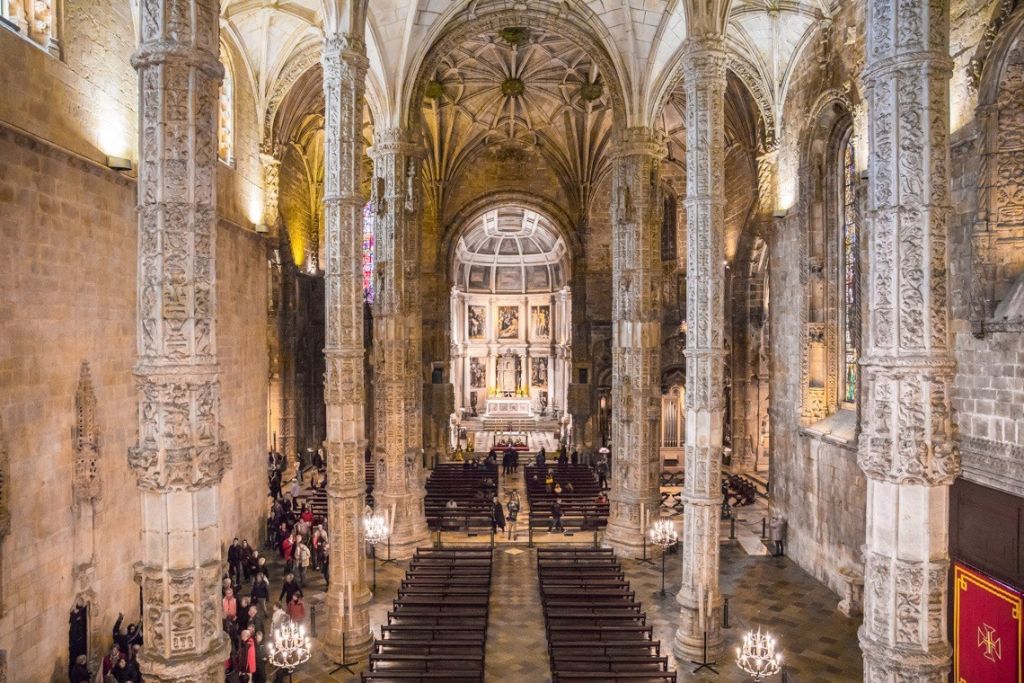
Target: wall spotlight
point(262, 228)
point(779, 213)
point(119, 163)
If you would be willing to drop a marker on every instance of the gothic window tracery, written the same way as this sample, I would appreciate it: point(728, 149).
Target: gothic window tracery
point(226, 112)
point(369, 252)
point(849, 247)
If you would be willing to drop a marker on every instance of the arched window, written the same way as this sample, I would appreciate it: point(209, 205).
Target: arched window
point(368, 252)
point(226, 112)
point(849, 260)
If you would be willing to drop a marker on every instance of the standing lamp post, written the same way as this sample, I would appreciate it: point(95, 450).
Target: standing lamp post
point(377, 531)
point(757, 656)
point(290, 647)
point(664, 535)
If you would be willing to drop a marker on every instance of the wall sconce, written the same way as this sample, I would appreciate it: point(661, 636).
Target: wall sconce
point(864, 175)
point(119, 163)
point(262, 228)
point(779, 213)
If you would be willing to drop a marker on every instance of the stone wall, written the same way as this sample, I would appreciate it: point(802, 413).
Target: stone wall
point(68, 240)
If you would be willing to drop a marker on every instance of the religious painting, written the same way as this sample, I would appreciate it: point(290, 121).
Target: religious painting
point(476, 319)
point(480, 278)
point(539, 372)
point(508, 322)
point(477, 374)
point(540, 319)
point(986, 628)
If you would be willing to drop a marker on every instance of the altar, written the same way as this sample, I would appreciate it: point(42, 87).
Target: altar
point(509, 407)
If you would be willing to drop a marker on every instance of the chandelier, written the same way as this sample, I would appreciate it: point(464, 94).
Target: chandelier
point(290, 646)
point(376, 528)
point(663, 534)
point(757, 657)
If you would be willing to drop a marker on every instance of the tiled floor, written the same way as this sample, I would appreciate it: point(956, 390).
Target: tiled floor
point(818, 643)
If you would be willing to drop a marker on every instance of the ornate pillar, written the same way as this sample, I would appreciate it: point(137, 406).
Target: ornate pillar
point(180, 456)
point(345, 64)
point(271, 189)
point(704, 77)
point(636, 337)
point(398, 344)
point(906, 445)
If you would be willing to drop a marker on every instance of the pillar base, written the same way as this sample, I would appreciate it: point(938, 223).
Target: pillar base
point(409, 530)
point(358, 640)
point(688, 644)
point(206, 666)
point(884, 663)
point(626, 541)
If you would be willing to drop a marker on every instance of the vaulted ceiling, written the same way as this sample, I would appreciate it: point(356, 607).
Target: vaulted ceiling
point(640, 41)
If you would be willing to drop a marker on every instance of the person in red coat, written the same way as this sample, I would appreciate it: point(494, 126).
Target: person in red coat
point(245, 662)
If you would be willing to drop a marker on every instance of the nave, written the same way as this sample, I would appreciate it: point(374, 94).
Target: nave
point(818, 642)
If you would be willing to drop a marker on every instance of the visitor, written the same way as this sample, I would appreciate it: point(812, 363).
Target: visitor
point(260, 591)
point(549, 481)
point(246, 560)
point(125, 637)
point(255, 620)
point(278, 618)
point(777, 533)
point(515, 463)
point(556, 516)
point(563, 458)
point(302, 557)
point(296, 491)
point(513, 513)
point(230, 604)
point(235, 561)
point(110, 659)
point(245, 658)
point(297, 608)
point(558, 489)
point(261, 659)
point(243, 612)
point(569, 488)
point(601, 499)
point(497, 515)
point(289, 588)
point(80, 670)
point(288, 552)
point(121, 672)
point(257, 564)
point(541, 458)
point(575, 457)
point(602, 473)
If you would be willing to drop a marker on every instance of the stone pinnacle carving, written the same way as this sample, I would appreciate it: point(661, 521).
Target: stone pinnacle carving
point(704, 79)
point(906, 446)
point(180, 455)
point(344, 67)
point(397, 345)
point(636, 338)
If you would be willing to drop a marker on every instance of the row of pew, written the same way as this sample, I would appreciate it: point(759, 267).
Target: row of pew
point(437, 628)
point(472, 489)
point(580, 509)
point(596, 629)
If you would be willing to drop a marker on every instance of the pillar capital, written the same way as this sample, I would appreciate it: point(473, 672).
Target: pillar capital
point(640, 141)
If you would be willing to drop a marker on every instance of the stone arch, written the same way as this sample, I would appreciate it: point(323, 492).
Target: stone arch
point(830, 126)
point(997, 296)
point(464, 218)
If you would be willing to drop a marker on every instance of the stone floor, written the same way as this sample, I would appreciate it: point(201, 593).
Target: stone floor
point(818, 643)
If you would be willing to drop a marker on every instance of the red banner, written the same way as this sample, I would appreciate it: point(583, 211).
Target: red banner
point(987, 629)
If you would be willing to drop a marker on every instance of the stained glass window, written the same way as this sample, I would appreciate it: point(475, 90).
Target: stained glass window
point(368, 254)
point(851, 275)
point(226, 112)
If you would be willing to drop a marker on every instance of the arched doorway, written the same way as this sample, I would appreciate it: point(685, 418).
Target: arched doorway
point(511, 322)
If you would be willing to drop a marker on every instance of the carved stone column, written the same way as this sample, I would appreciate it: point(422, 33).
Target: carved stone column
point(704, 77)
point(906, 445)
point(345, 64)
point(636, 338)
point(398, 344)
point(271, 189)
point(180, 456)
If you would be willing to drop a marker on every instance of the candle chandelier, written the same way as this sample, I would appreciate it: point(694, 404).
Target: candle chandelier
point(290, 646)
point(757, 657)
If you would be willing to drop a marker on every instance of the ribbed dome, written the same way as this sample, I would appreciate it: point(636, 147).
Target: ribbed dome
point(511, 250)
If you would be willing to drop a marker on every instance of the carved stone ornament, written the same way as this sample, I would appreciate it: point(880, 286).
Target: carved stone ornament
point(86, 485)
